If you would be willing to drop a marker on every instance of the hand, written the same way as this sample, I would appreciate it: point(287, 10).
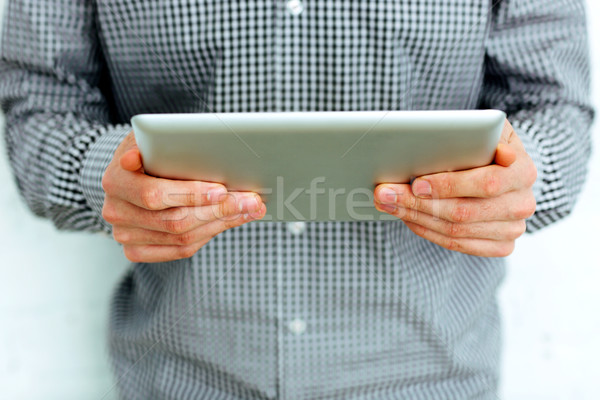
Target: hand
point(481, 211)
point(161, 219)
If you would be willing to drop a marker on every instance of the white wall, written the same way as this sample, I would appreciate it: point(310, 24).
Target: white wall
point(54, 293)
point(55, 288)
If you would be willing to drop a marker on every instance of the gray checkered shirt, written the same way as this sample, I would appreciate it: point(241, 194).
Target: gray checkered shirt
point(354, 310)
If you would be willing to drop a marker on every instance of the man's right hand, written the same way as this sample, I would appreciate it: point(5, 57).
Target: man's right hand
point(161, 219)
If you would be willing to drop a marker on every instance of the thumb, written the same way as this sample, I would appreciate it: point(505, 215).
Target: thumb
point(505, 155)
point(131, 160)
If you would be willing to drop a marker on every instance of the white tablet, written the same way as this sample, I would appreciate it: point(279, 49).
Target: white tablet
point(316, 166)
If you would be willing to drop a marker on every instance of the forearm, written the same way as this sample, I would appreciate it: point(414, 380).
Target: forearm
point(537, 70)
point(53, 93)
point(57, 162)
point(558, 140)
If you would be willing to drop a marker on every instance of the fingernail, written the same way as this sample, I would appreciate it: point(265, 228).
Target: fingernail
point(215, 194)
point(249, 203)
point(421, 188)
point(388, 208)
point(258, 214)
point(387, 195)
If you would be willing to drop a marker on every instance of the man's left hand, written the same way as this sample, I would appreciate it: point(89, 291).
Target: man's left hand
point(481, 211)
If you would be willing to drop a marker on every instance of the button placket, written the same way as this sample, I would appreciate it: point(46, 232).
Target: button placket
point(291, 325)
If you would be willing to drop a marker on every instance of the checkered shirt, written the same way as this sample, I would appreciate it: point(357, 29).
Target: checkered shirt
point(326, 310)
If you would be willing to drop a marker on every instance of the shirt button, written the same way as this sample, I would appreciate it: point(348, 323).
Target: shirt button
point(296, 228)
point(295, 7)
point(297, 326)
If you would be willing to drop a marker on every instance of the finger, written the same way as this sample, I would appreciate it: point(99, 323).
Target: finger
point(495, 230)
point(488, 181)
point(388, 193)
point(158, 253)
point(236, 204)
point(131, 160)
point(179, 220)
point(231, 205)
point(505, 155)
point(220, 225)
point(513, 169)
point(155, 194)
point(140, 236)
point(476, 247)
point(511, 206)
point(150, 253)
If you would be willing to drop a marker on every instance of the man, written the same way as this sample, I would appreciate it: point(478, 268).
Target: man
point(220, 308)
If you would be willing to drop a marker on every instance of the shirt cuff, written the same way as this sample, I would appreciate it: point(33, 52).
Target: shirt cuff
point(532, 149)
point(98, 156)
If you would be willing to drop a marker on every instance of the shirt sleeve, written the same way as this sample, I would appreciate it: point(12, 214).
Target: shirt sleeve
point(53, 87)
point(537, 70)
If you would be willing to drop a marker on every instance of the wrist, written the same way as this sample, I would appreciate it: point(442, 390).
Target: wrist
point(97, 158)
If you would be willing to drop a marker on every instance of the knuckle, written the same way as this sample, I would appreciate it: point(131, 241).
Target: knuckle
point(232, 223)
point(121, 235)
point(177, 213)
point(209, 236)
point(409, 201)
point(525, 209)
point(519, 229)
point(491, 185)
point(175, 226)
point(225, 197)
point(212, 213)
point(504, 249)
point(446, 185)
point(204, 242)
point(225, 208)
point(187, 197)
point(132, 254)
point(519, 212)
point(107, 183)
point(186, 238)
point(231, 208)
point(412, 215)
point(221, 210)
point(531, 174)
point(454, 229)
point(487, 209)
point(200, 188)
point(460, 213)
point(152, 199)
point(186, 251)
point(453, 244)
point(418, 229)
point(531, 206)
point(109, 213)
point(514, 230)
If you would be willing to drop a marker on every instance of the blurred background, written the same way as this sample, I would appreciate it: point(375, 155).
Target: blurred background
point(55, 289)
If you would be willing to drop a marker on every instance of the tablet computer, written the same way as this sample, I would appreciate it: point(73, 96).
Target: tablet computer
point(316, 166)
